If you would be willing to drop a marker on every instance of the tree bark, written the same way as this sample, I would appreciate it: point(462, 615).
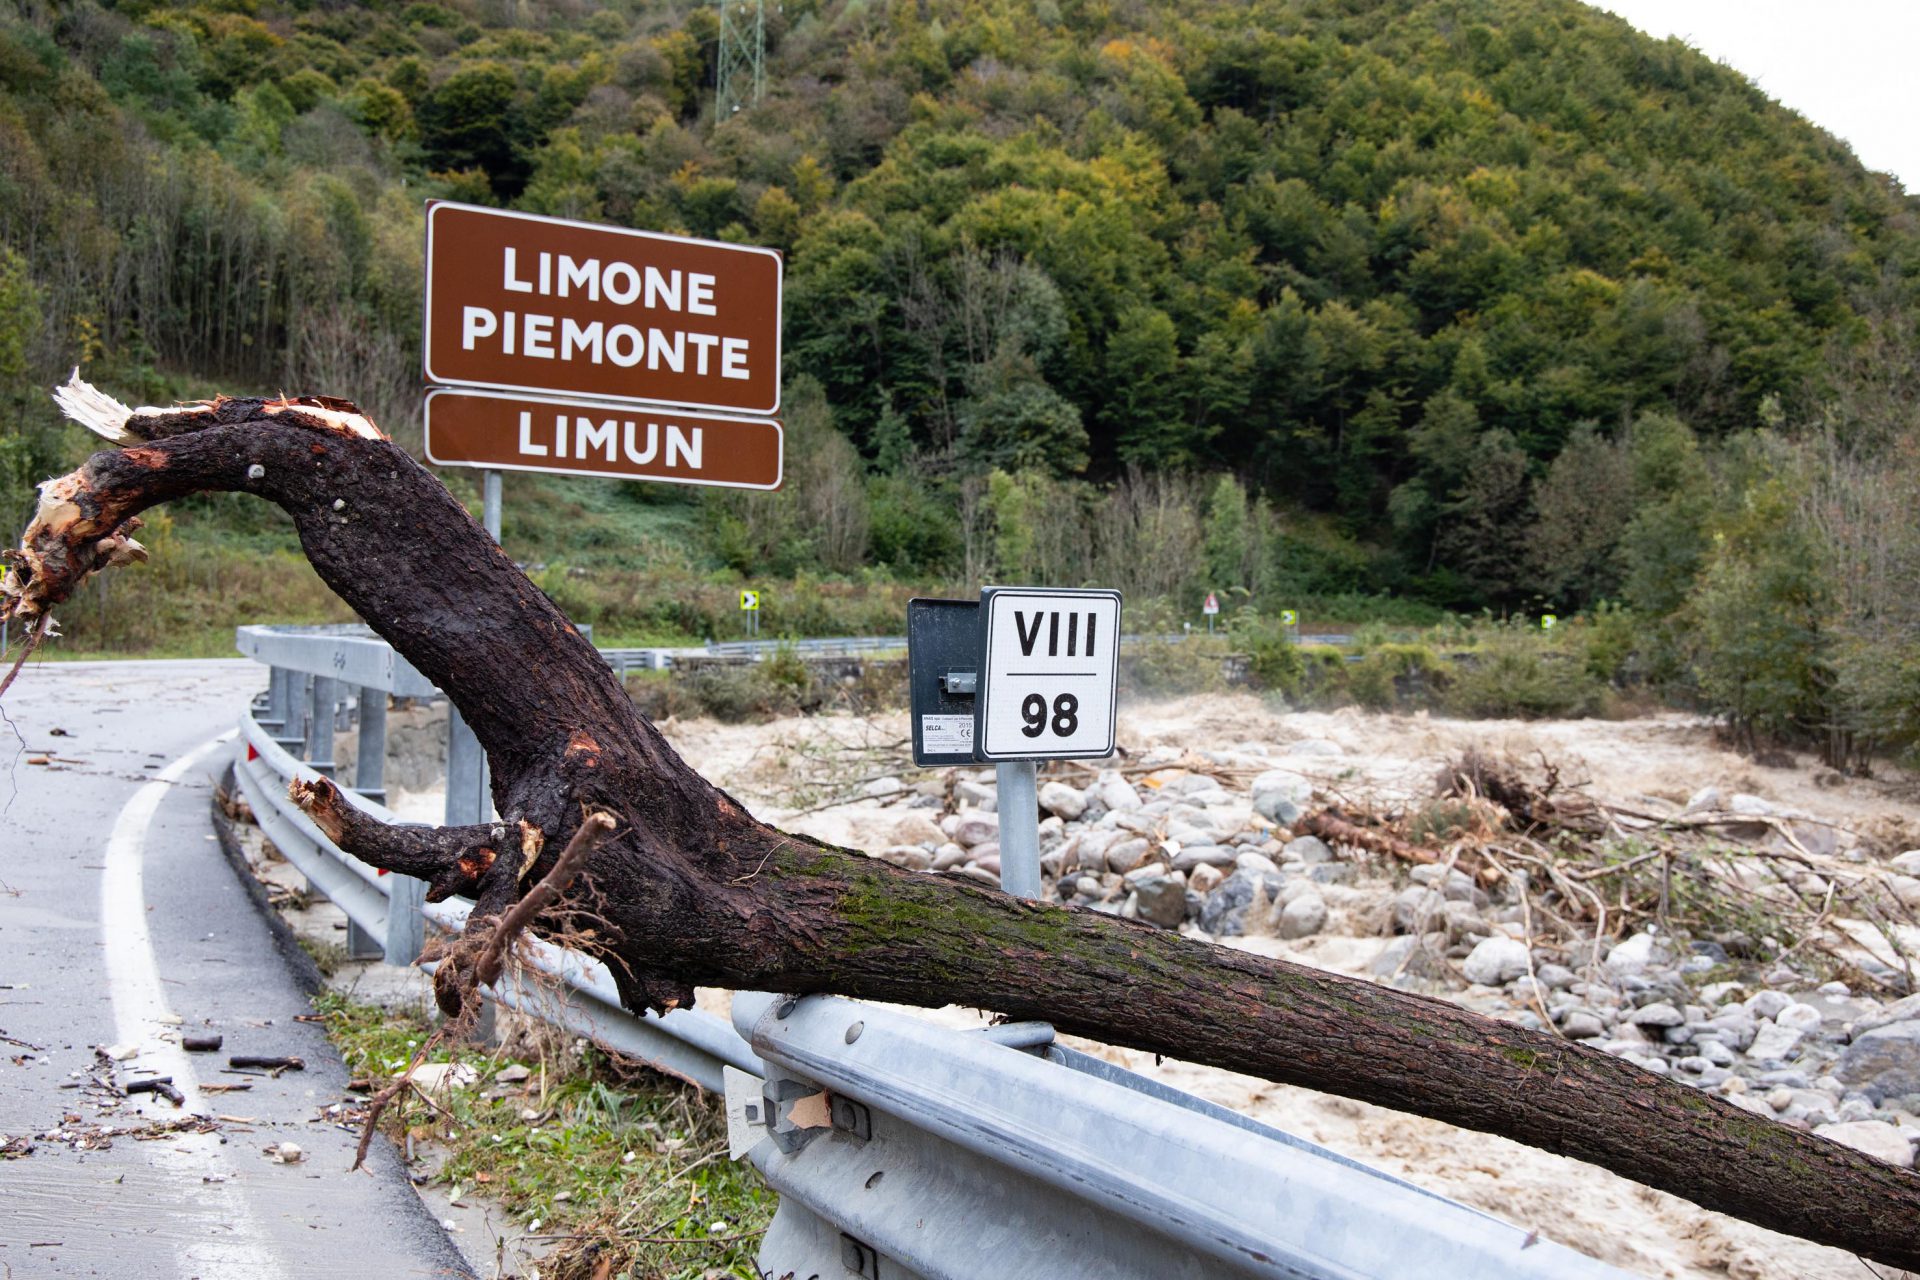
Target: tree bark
point(693, 890)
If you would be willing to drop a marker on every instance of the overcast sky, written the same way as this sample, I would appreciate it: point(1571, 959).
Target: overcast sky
point(1846, 65)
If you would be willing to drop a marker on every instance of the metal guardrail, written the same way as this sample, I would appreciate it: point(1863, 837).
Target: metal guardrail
point(902, 1150)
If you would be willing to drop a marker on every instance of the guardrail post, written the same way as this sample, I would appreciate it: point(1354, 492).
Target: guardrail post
point(292, 734)
point(370, 756)
point(320, 715)
point(466, 772)
point(276, 716)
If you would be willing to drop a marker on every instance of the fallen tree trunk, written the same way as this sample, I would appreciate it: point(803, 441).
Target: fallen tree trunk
point(691, 889)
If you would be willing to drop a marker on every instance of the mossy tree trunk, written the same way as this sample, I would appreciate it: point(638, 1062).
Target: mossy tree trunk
point(693, 890)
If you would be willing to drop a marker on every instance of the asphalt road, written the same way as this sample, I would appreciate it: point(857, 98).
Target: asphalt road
point(121, 924)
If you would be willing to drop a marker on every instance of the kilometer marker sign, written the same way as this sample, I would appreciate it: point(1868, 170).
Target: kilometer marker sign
point(1050, 674)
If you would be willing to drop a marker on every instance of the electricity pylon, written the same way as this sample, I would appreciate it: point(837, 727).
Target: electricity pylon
point(740, 79)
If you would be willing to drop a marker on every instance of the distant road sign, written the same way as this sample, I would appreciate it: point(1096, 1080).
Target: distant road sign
point(1548, 622)
point(587, 438)
point(1289, 617)
point(1212, 605)
point(519, 302)
point(1049, 673)
point(750, 601)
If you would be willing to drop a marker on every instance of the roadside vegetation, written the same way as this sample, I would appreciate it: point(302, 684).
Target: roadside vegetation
point(623, 1171)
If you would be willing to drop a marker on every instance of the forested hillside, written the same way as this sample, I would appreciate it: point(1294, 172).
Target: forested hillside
point(1483, 303)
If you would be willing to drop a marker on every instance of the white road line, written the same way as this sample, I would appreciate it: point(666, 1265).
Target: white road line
point(234, 1247)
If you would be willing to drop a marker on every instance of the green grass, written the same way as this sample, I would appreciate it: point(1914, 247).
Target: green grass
point(630, 1163)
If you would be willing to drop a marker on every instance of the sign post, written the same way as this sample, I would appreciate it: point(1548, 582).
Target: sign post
point(1027, 674)
point(1049, 684)
point(1210, 608)
point(750, 606)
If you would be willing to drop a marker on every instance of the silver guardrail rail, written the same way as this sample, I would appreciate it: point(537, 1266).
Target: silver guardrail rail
point(901, 1150)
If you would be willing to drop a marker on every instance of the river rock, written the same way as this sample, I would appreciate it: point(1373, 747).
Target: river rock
point(948, 856)
point(1063, 801)
point(1899, 1011)
point(1495, 960)
point(1801, 1017)
point(1307, 849)
point(1768, 1004)
point(1658, 1014)
point(1127, 854)
point(1884, 1063)
point(1582, 1024)
point(1876, 1138)
point(1415, 957)
point(1416, 909)
point(1225, 911)
point(1280, 794)
point(1204, 877)
point(1197, 855)
point(917, 828)
point(1774, 1043)
point(976, 828)
point(1907, 863)
point(910, 856)
point(1632, 956)
point(1163, 899)
point(1258, 864)
point(1118, 795)
point(1304, 916)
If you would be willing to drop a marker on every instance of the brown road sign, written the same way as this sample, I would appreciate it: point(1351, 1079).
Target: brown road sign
point(518, 302)
point(582, 438)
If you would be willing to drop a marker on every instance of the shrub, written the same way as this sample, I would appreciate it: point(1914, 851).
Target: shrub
point(1397, 675)
point(1516, 672)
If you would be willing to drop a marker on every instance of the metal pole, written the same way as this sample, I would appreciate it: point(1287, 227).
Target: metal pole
point(490, 502)
point(276, 717)
point(370, 757)
point(292, 733)
point(466, 772)
point(1019, 808)
point(319, 747)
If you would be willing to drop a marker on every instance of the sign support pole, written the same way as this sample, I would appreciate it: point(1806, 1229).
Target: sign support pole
point(1019, 808)
point(490, 502)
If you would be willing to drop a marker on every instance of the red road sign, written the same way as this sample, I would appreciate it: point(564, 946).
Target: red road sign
point(519, 302)
point(1212, 605)
point(584, 438)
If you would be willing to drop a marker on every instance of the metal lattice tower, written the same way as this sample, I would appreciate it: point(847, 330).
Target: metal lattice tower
point(741, 76)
